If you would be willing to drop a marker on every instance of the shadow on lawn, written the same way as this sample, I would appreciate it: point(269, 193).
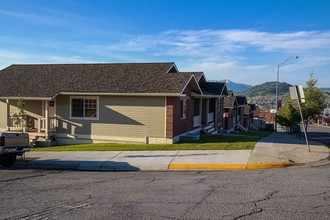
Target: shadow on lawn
point(204, 139)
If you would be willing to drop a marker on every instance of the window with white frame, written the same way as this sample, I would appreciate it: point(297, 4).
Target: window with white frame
point(84, 107)
point(184, 109)
point(51, 103)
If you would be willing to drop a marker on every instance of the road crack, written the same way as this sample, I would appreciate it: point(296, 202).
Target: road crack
point(256, 209)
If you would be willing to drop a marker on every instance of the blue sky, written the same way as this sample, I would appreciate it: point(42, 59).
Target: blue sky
point(241, 40)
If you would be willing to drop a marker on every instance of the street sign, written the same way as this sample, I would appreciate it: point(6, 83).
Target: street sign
point(297, 92)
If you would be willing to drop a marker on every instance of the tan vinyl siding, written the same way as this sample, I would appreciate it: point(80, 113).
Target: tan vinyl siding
point(3, 115)
point(33, 108)
point(118, 116)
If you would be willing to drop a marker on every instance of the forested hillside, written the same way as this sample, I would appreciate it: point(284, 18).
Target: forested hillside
point(264, 95)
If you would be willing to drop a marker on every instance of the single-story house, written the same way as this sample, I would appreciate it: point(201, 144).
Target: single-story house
point(241, 102)
point(248, 115)
point(230, 111)
point(238, 114)
point(123, 102)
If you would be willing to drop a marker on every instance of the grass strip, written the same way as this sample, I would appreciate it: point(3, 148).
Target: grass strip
point(206, 142)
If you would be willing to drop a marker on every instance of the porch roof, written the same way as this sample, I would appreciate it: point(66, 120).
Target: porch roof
point(44, 81)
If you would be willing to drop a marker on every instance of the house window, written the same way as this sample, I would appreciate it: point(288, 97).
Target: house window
point(184, 110)
point(85, 108)
point(51, 103)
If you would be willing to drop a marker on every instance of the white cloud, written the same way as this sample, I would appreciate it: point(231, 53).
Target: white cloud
point(11, 55)
point(189, 42)
point(246, 56)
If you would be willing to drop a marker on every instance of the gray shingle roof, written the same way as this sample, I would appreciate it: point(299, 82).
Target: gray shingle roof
point(197, 75)
point(247, 109)
point(213, 88)
point(241, 100)
point(230, 101)
point(47, 80)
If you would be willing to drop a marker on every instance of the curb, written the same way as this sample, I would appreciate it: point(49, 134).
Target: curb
point(230, 166)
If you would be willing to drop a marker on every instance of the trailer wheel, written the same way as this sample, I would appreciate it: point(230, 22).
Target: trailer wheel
point(7, 160)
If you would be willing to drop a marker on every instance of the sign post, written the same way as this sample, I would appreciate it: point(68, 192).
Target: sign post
point(297, 92)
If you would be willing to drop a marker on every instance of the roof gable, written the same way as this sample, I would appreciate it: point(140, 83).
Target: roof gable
point(230, 102)
point(194, 86)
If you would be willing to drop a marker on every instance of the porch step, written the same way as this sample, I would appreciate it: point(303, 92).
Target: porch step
point(242, 128)
point(209, 129)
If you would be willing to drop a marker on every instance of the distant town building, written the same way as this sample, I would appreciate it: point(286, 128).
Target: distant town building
point(324, 119)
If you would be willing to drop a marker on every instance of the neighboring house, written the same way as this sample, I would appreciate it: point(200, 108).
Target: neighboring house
point(241, 103)
point(128, 102)
point(213, 99)
point(324, 119)
point(238, 114)
point(248, 115)
point(230, 111)
point(262, 119)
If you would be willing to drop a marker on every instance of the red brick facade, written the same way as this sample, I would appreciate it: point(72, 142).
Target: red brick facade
point(174, 124)
point(220, 113)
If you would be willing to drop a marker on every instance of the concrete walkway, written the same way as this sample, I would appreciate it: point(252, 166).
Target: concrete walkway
point(277, 150)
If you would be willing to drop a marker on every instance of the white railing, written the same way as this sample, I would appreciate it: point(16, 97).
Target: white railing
point(17, 122)
point(210, 117)
point(197, 121)
point(42, 123)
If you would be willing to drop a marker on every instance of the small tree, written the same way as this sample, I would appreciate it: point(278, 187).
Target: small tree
point(20, 118)
point(315, 101)
point(288, 116)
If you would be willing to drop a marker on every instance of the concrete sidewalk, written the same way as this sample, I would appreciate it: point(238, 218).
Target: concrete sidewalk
point(277, 150)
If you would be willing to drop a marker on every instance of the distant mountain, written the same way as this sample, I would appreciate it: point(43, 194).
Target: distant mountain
point(264, 94)
point(267, 88)
point(236, 87)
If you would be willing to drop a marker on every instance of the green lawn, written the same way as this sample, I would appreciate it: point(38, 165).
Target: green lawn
point(243, 141)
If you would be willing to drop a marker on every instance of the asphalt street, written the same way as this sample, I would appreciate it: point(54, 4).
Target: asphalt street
point(286, 193)
point(319, 133)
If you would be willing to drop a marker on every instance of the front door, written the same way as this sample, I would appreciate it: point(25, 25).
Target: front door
point(51, 106)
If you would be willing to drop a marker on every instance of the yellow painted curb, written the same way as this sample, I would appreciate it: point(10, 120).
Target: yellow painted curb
point(207, 166)
point(228, 166)
point(269, 165)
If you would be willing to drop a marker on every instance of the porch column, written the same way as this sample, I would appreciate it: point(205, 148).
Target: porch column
point(47, 120)
point(8, 114)
point(216, 104)
point(207, 110)
point(200, 112)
